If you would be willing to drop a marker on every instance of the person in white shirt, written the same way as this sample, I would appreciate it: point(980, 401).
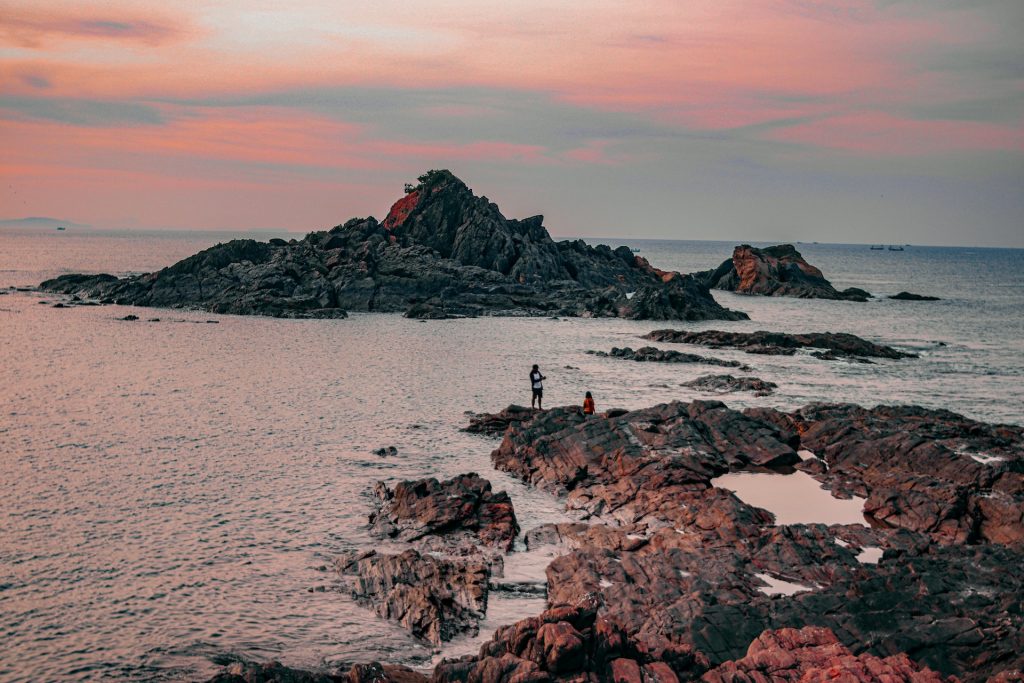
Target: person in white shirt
point(537, 384)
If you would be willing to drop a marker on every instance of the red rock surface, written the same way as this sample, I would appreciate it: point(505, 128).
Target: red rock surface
point(401, 209)
point(813, 654)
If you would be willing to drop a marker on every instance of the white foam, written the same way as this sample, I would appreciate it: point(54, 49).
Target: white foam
point(841, 543)
point(779, 587)
point(986, 459)
point(605, 583)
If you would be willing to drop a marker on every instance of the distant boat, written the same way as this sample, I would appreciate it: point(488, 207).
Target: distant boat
point(878, 248)
point(892, 248)
point(61, 227)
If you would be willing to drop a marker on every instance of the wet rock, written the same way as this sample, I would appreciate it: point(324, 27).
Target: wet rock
point(496, 423)
point(386, 451)
point(441, 252)
point(839, 344)
point(649, 354)
point(129, 317)
point(724, 384)
point(638, 463)
point(435, 598)
point(272, 672)
point(932, 471)
point(375, 672)
point(414, 509)
point(814, 653)
point(568, 643)
point(907, 296)
point(774, 271)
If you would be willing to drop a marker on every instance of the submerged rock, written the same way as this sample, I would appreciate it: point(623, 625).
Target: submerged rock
point(907, 296)
point(441, 252)
point(724, 384)
point(839, 344)
point(414, 509)
point(435, 598)
point(649, 354)
point(774, 271)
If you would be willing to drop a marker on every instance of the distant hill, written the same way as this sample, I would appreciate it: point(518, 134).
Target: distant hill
point(41, 222)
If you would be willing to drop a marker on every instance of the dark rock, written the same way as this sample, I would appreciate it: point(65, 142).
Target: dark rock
point(569, 643)
point(632, 465)
point(856, 293)
point(129, 317)
point(649, 354)
point(932, 471)
point(57, 305)
point(384, 452)
point(414, 509)
point(774, 271)
point(496, 423)
point(838, 343)
point(907, 296)
point(272, 672)
point(441, 252)
point(724, 384)
point(813, 653)
point(435, 598)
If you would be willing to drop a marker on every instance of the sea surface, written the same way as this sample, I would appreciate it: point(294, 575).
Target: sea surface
point(170, 491)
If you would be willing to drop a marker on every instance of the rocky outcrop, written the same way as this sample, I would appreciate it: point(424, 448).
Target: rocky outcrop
point(649, 354)
point(725, 384)
point(275, 672)
point(435, 598)
point(568, 643)
point(414, 509)
point(441, 252)
point(774, 271)
point(838, 344)
point(495, 424)
point(932, 471)
point(907, 296)
point(814, 653)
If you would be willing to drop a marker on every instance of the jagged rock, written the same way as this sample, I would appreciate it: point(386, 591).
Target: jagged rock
point(569, 644)
point(496, 423)
point(435, 598)
point(642, 463)
point(814, 653)
point(774, 271)
point(273, 672)
point(441, 252)
point(649, 354)
point(840, 344)
point(724, 384)
point(414, 509)
point(928, 470)
point(907, 296)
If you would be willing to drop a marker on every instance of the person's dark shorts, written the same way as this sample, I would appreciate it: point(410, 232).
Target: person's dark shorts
point(538, 393)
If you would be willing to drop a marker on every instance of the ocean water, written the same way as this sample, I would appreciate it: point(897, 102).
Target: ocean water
point(170, 490)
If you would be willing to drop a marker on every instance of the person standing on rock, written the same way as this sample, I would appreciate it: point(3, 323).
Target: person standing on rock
point(588, 404)
point(537, 384)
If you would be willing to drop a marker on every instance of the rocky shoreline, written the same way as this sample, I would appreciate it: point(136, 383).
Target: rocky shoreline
point(673, 578)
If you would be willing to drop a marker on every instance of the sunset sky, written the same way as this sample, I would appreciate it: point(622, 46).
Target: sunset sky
point(831, 120)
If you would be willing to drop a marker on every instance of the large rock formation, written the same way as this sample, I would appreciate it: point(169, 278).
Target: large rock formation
point(441, 252)
point(774, 271)
point(838, 344)
point(414, 509)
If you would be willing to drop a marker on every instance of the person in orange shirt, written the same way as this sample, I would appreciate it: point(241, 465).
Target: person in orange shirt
point(588, 404)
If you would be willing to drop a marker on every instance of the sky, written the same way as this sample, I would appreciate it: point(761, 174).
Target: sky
point(765, 120)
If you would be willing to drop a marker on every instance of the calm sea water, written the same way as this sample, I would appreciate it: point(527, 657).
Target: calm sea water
point(168, 490)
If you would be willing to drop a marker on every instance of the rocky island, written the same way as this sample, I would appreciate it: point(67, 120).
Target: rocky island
point(775, 271)
point(441, 252)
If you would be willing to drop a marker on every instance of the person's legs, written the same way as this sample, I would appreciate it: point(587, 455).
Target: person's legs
point(533, 399)
point(540, 400)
